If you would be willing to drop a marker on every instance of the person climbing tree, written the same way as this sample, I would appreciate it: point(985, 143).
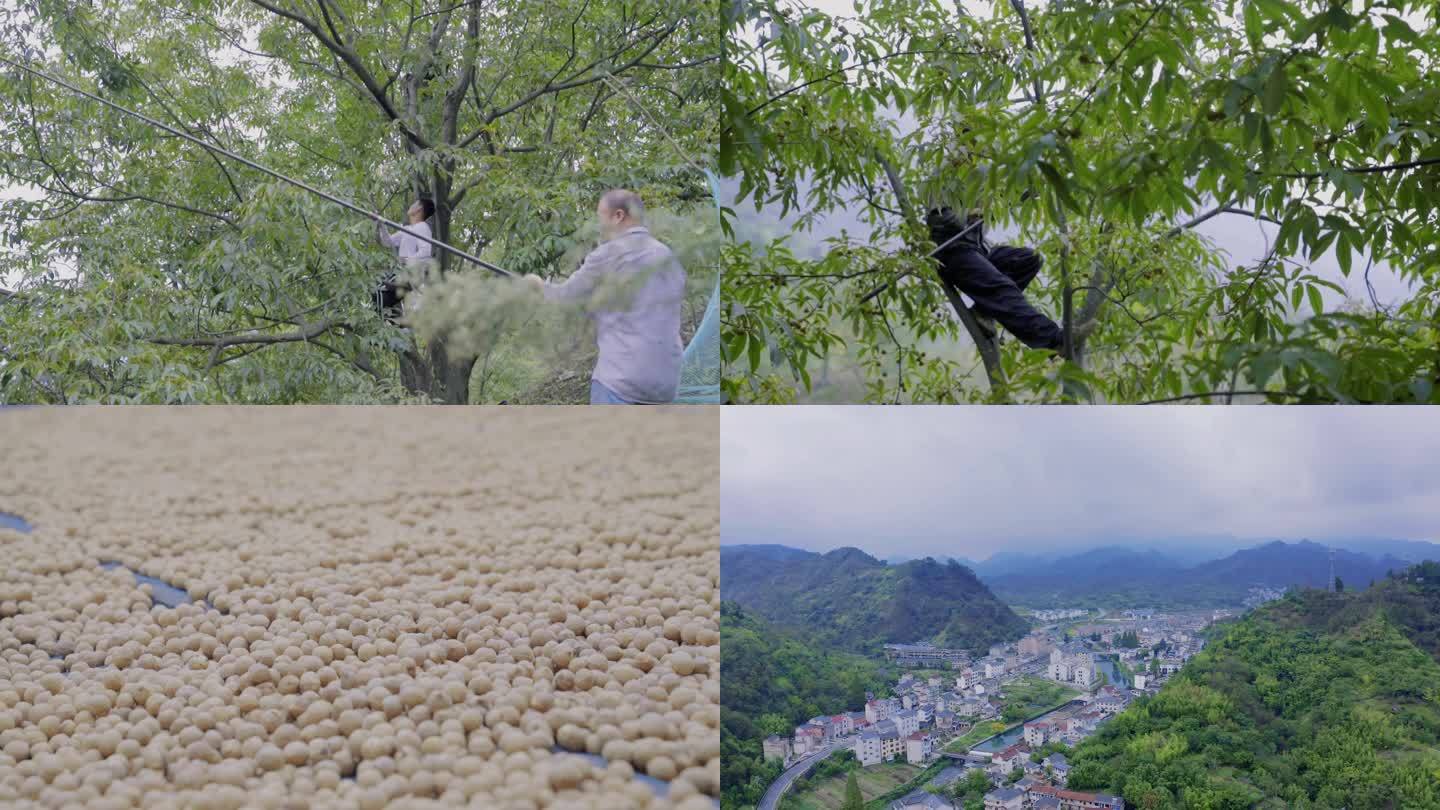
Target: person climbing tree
point(633, 287)
point(995, 278)
point(414, 253)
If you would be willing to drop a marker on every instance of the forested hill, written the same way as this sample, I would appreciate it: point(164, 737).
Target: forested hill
point(848, 600)
point(769, 683)
point(1320, 700)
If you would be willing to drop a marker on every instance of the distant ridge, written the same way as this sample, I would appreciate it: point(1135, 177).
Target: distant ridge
point(846, 599)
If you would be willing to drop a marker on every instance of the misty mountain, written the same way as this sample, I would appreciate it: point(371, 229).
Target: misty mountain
point(1120, 578)
point(847, 600)
point(1281, 565)
point(769, 551)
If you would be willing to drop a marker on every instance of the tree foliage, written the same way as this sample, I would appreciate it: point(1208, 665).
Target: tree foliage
point(768, 677)
point(848, 600)
point(1321, 700)
point(147, 269)
point(1104, 133)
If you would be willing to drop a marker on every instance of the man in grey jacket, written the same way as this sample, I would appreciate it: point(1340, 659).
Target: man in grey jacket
point(633, 287)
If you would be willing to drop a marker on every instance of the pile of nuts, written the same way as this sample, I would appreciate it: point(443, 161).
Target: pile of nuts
point(390, 607)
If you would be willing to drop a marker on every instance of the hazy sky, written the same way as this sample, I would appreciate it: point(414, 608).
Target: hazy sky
point(971, 481)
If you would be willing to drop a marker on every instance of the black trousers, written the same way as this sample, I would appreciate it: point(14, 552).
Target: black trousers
point(996, 279)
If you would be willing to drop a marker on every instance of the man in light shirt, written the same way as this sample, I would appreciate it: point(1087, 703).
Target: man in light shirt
point(633, 287)
point(414, 253)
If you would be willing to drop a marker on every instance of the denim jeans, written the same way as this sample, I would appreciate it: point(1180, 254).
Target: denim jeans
point(600, 395)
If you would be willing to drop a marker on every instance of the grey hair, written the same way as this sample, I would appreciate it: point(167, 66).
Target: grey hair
point(619, 199)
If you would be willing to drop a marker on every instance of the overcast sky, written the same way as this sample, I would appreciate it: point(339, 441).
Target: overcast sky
point(970, 481)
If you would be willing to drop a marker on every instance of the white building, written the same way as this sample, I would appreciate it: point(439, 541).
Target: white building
point(1037, 732)
point(868, 749)
point(1072, 664)
point(906, 722)
point(918, 747)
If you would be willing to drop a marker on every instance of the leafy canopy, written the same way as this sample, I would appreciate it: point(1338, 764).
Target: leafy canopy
point(1104, 133)
point(147, 269)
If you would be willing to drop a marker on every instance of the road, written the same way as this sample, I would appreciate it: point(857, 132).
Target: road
point(771, 799)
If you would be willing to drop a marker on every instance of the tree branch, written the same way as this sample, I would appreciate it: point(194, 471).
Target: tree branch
point(303, 334)
point(1389, 167)
point(352, 61)
point(989, 351)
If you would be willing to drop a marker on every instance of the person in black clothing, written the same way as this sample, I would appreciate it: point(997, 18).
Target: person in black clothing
point(995, 278)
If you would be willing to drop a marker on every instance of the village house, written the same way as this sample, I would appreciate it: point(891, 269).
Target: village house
point(1077, 800)
point(1058, 768)
point(776, 747)
point(1005, 798)
point(1025, 783)
point(1072, 664)
point(1109, 701)
point(907, 722)
point(1035, 645)
point(993, 667)
point(1038, 732)
point(808, 738)
point(922, 654)
point(1008, 760)
point(877, 710)
point(868, 750)
point(918, 747)
point(944, 720)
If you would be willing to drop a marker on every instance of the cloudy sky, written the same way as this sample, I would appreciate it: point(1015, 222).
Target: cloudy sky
point(970, 481)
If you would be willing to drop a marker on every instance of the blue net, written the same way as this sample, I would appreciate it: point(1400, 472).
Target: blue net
point(700, 365)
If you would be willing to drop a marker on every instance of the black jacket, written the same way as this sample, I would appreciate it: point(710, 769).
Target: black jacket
point(944, 223)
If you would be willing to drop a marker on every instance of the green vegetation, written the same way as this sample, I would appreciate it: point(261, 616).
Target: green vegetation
point(854, 799)
point(1105, 133)
point(971, 788)
point(848, 600)
point(1030, 695)
point(146, 269)
point(982, 730)
point(1318, 701)
point(1128, 640)
point(771, 682)
point(828, 793)
point(882, 802)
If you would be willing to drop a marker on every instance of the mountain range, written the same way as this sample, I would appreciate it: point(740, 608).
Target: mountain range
point(1119, 576)
point(847, 600)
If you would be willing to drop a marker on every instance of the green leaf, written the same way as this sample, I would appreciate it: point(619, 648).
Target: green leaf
point(1275, 89)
